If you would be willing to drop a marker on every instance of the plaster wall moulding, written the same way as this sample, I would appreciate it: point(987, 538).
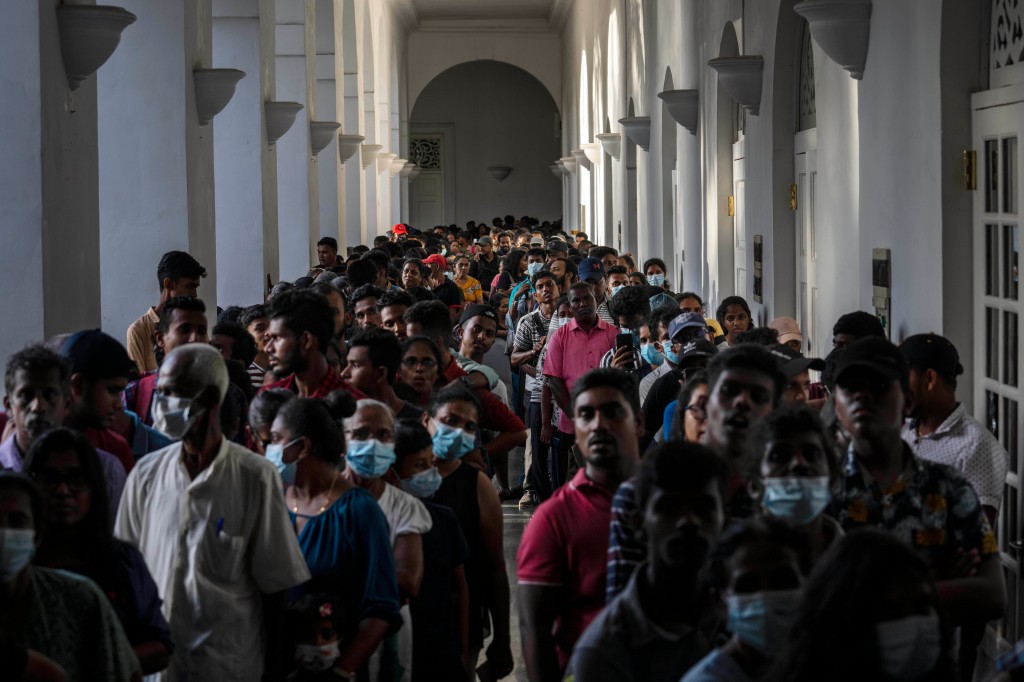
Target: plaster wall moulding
point(569, 164)
point(407, 169)
point(348, 145)
point(214, 89)
point(321, 133)
point(581, 158)
point(638, 129)
point(593, 152)
point(414, 173)
point(683, 106)
point(369, 153)
point(499, 173)
point(384, 161)
point(397, 165)
point(89, 34)
point(841, 28)
point(741, 78)
point(279, 118)
point(611, 143)
point(556, 170)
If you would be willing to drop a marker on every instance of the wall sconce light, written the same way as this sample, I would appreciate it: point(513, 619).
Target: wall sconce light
point(214, 89)
point(638, 129)
point(683, 106)
point(741, 78)
point(569, 164)
point(348, 145)
point(581, 158)
point(369, 153)
point(499, 173)
point(89, 34)
point(279, 118)
point(841, 28)
point(611, 143)
point(320, 134)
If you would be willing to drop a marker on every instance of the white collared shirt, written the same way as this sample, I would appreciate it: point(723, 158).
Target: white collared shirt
point(214, 545)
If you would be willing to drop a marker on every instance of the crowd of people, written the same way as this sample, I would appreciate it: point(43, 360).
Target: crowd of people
point(312, 488)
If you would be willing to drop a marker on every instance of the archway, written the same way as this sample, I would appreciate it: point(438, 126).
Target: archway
point(474, 116)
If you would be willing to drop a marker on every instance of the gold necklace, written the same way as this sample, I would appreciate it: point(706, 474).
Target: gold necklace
point(326, 499)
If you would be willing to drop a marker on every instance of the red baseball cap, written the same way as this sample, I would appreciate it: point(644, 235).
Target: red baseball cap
point(400, 228)
point(436, 259)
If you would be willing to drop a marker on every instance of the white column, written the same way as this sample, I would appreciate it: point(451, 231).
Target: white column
point(245, 166)
point(156, 162)
point(353, 171)
point(329, 176)
point(48, 184)
point(296, 217)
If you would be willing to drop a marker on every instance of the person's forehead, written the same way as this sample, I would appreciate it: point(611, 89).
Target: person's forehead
point(368, 302)
point(259, 321)
point(458, 408)
point(745, 375)
point(710, 490)
point(36, 378)
point(279, 328)
point(418, 350)
point(193, 317)
point(481, 321)
point(734, 309)
point(359, 354)
point(600, 396)
point(372, 416)
point(795, 440)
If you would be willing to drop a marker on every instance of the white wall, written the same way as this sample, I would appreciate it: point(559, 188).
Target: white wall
point(502, 116)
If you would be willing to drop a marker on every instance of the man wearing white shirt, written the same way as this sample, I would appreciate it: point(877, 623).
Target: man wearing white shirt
point(210, 520)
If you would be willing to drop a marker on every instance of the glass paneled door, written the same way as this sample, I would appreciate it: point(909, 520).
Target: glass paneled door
point(997, 131)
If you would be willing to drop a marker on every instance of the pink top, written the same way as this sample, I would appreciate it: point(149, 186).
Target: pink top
point(572, 352)
point(565, 545)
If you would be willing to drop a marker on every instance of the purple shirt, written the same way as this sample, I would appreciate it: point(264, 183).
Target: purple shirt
point(11, 458)
point(572, 352)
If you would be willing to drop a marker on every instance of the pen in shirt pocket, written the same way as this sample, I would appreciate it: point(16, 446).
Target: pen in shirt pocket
point(220, 526)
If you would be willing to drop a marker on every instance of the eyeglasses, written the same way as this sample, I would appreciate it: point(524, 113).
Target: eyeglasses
point(365, 433)
point(75, 480)
point(425, 363)
point(698, 410)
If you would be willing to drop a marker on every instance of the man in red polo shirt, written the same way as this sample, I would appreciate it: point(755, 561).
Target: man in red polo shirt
point(563, 552)
point(301, 325)
point(574, 349)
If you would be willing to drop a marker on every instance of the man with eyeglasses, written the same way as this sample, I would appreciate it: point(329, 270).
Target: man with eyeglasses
point(373, 358)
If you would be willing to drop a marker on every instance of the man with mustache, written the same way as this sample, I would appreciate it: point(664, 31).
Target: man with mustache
point(929, 506)
point(648, 632)
point(562, 555)
point(746, 385)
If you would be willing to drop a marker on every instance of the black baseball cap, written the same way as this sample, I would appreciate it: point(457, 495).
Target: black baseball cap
point(793, 362)
point(874, 354)
point(931, 351)
point(697, 353)
point(479, 310)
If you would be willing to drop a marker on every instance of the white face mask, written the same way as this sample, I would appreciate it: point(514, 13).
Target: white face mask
point(316, 659)
point(17, 546)
point(908, 648)
point(171, 416)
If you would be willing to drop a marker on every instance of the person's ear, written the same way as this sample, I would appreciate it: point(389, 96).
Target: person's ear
point(425, 419)
point(639, 416)
point(755, 488)
point(158, 338)
point(7, 404)
point(931, 379)
point(167, 284)
point(78, 385)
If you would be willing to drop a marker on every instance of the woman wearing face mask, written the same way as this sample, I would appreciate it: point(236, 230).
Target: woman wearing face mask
point(342, 532)
point(869, 612)
point(795, 475)
point(91, 645)
point(472, 292)
point(452, 420)
point(756, 570)
point(370, 434)
point(262, 411)
point(421, 360)
point(654, 271)
point(79, 539)
point(440, 612)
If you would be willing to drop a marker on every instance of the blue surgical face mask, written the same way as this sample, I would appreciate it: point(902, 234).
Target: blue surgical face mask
point(275, 455)
point(797, 500)
point(656, 280)
point(616, 288)
point(423, 484)
point(17, 546)
point(370, 458)
point(762, 619)
point(451, 443)
point(651, 354)
point(908, 648)
point(670, 356)
point(533, 268)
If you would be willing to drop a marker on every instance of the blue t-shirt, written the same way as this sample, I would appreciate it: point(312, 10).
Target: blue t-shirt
point(348, 550)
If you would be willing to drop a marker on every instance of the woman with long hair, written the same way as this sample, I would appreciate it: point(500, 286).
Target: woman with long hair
point(79, 539)
point(420, 367)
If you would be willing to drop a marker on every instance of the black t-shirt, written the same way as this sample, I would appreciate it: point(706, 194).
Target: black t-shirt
point(664, 391)
point(484, 270)
point(449, 293)
point(437, 642)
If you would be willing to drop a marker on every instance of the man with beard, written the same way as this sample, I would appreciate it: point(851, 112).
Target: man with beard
point(210, 520)
point(745, 386)
point(561, 559)
point(38, 388)
point(649, 631)
point(301, 324)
